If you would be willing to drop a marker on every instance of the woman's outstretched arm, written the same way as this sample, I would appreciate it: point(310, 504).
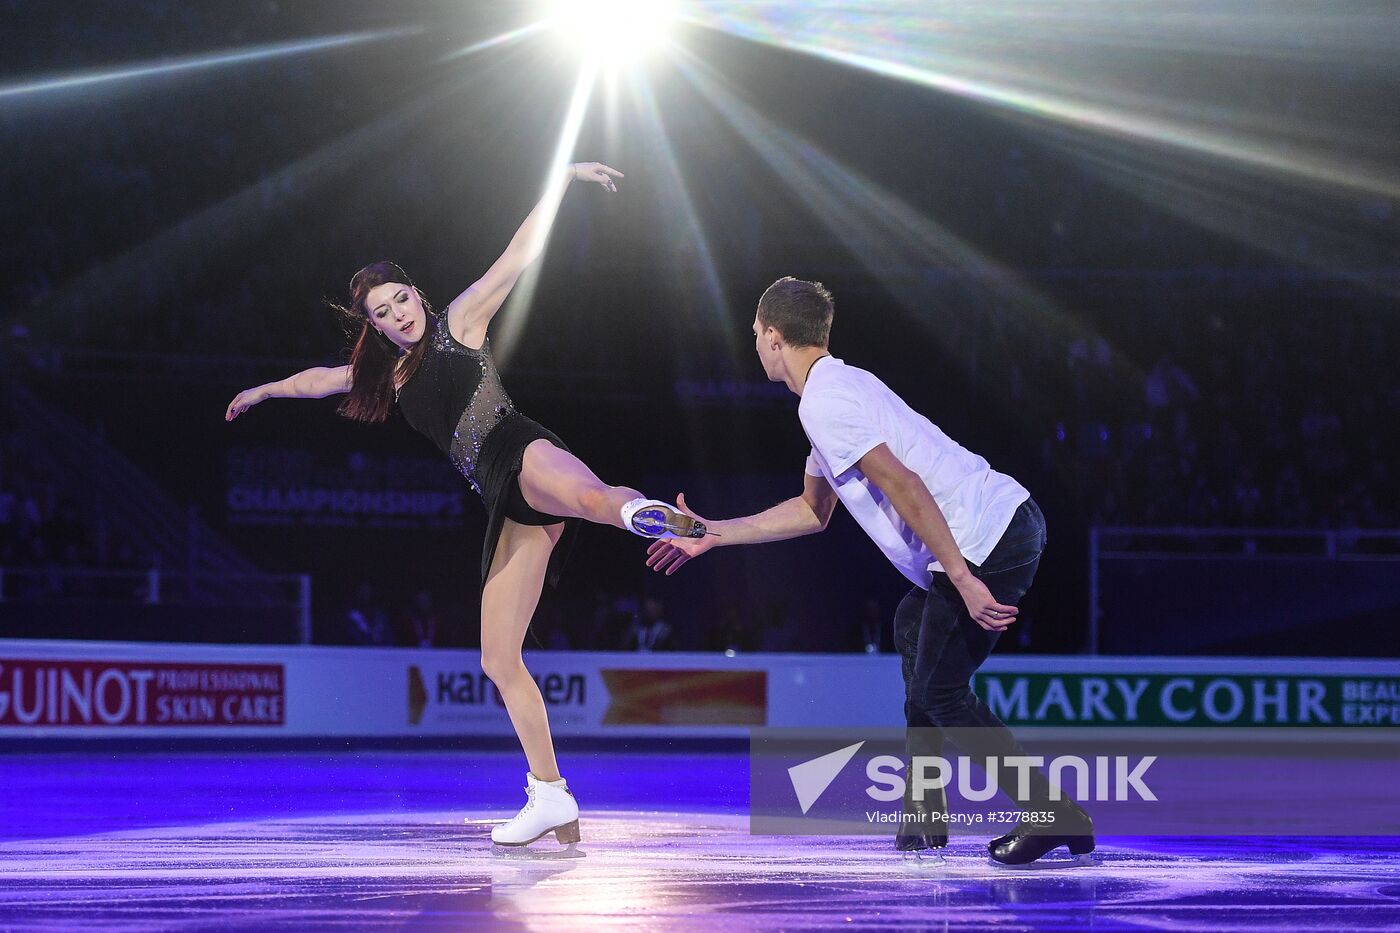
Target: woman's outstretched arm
point(471, 312)
point(316, 382)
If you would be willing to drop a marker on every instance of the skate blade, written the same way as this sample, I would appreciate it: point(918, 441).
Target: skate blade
point(1049, 862)
point(528, 854)
point(657, 521)
point(922, 860)
point(566, 834)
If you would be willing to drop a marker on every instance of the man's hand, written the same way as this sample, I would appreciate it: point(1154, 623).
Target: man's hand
point(985, 611)
point(670, 555)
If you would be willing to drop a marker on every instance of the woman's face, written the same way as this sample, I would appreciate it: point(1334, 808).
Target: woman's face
point(397, 312)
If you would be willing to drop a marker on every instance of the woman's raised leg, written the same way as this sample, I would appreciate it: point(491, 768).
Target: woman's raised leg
point(555, 482)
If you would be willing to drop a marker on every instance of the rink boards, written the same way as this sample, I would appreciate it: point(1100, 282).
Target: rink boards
point(55, 689)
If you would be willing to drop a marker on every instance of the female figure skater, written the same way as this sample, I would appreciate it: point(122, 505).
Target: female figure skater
point(438, 368)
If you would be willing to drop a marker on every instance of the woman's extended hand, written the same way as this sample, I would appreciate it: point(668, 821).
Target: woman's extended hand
point(245, 400)
point(597, 172)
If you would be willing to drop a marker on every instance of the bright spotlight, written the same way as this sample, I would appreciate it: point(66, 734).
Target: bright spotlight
point(618, 32)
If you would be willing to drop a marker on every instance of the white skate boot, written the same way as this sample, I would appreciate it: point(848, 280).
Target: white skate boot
point(551, 808)
point(652, 518)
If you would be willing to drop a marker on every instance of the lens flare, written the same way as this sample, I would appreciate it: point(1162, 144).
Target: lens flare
point(1197, 81)
point(617, 33)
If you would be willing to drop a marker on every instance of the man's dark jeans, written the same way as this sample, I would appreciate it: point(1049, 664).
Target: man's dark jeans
point(941, 647)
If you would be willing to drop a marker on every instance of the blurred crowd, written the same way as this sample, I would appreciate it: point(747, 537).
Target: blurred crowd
point(61, 243)
point(1280, 422)
point(44, 534)
point(601, 622)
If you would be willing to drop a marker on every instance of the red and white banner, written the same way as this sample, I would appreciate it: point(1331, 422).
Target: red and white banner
point(64, 692)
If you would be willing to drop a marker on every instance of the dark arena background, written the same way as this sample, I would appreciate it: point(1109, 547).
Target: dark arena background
point(1143, 257)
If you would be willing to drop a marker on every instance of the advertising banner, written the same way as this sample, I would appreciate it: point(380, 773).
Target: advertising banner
point(134, 693)
point(1181, 698)
point(106, 689)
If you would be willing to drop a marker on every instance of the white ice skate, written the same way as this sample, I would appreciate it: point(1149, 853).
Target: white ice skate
point(551, 808)
point(652, 518)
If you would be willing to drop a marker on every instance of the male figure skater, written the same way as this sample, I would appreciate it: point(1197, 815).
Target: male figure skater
point(968, 538)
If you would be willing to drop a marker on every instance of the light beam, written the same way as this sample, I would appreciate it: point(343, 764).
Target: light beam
point(504, 39)
point(893, 240)
point(523, 295)
point(193, 62)
point(1123, 69)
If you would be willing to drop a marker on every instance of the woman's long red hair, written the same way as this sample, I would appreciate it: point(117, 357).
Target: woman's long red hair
point(374, 357)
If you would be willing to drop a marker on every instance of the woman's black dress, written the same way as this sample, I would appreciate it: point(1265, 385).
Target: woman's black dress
point(455, 398)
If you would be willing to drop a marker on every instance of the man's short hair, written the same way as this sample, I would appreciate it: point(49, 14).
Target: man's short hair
point(799, 310)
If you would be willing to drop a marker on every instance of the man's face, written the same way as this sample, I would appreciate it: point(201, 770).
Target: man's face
point(764, 339)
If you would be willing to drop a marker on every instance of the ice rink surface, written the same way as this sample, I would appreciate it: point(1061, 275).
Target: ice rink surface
point(399, 840)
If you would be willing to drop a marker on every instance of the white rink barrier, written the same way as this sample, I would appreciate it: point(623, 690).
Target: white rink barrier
point(56, 689)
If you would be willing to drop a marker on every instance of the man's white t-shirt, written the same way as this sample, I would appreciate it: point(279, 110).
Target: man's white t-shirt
point(847, 412)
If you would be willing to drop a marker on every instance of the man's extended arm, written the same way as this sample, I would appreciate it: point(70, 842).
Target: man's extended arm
point(801, 515)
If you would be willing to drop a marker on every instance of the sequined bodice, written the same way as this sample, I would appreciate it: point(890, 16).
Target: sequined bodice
point(455, 398)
